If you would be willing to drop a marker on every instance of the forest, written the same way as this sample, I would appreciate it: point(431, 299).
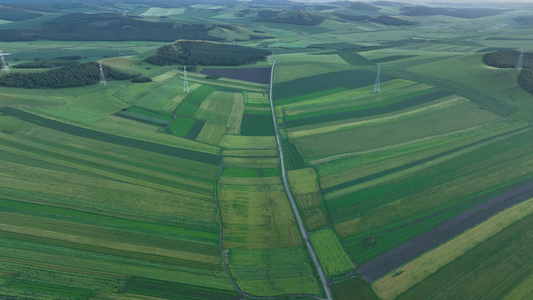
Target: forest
point(509, 59)
point(76, 75)
point(207, 54)
point(46, 63)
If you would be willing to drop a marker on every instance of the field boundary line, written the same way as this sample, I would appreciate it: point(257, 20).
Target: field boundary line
point(295, 210)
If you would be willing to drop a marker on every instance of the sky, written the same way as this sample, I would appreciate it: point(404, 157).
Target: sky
point(429, 1)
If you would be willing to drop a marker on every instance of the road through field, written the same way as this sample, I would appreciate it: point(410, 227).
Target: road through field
point(291, 199)
point(422, 243)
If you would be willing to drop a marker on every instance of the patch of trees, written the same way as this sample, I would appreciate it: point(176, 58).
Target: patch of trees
point(207, 54)
point(386, 20)
point(508, 59)
point(79, 74)
point(212, 77)
point(141, 79)
point(525, 80)
point(47, 63)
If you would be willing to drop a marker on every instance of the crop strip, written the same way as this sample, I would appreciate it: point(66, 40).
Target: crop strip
point(412, 164)
point(404, 253)
point(110, 138)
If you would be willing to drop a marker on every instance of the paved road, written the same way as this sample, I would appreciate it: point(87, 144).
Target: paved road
point(291, 199)
point(413, 248)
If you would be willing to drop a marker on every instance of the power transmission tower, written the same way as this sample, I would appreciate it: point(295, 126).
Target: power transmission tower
point(378, 82)
point(102, 77)
point(520, 60)
point(5, 67)
point(185, 81)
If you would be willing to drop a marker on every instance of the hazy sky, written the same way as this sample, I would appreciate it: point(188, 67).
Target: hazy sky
point(429, 1)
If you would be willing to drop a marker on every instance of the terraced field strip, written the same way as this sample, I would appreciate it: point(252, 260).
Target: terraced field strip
point(414, 165)
point(110, 138)
point(433, 122)
point(397, 257)
point(228, 83)
point(303, 231)
point(326, 116)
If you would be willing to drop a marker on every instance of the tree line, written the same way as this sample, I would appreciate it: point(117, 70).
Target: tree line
point(76, 75)
point(206, 54)
point(509, 59)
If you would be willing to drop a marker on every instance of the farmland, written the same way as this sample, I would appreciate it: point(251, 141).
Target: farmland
point(417, 187)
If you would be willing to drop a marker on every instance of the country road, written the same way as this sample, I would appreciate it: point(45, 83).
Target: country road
point(289, 195)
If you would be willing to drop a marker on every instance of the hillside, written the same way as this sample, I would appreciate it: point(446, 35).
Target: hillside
point(387, 20)
point(105, 27)
point(298, 17)
point(466, 13)
point(207, 54)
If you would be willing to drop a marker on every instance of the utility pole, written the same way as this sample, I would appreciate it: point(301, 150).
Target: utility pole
point(102, 77)
point(185, 81)
point(377, 89)
point(5, 67)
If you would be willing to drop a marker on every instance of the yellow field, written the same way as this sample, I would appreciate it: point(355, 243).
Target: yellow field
point(248, 142)
point(235, 118)
point(393, 284)
point(306, 191)
point(257, 217)
point(522, 291)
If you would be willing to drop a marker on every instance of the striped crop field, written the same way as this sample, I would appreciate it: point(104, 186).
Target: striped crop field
point(104, 204)
point(402, 165)
point(445, 118)
point(332, 256)
point(480, 245)
point(306, 191)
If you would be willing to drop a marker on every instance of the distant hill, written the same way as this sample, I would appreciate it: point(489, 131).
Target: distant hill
point(466, 13)
point(387, 20)
point(524, 20)
point(106, 27)
point(206, 54)
point(385, 3)
point(351, 17)
point(17, 14)
point(298, 17)
point(364, 6)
